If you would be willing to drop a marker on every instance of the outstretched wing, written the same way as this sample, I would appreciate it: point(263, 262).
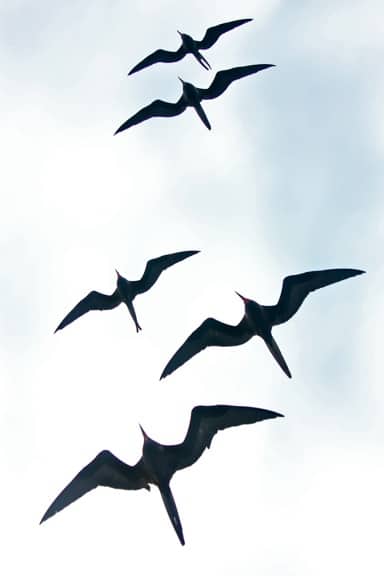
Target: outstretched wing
point(156, 108)
point(297, 287)
point(159, 56)
point(225, 77)
point(93, 301)
point(104, 470)
point(156, 266)
point(210, 333)
point(213, 33)
point(205, 422)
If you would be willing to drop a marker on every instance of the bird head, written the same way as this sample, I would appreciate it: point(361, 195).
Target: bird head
point(245, 300)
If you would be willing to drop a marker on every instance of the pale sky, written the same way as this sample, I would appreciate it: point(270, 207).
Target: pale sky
point(288, 180)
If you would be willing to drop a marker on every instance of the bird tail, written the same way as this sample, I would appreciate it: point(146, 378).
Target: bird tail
point(173, 514)
point(203, 61)
point(275, 351)
point(203, 116)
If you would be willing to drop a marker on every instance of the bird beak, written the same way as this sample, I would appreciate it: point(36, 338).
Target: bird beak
point(143, 432)
point(179, 32)
point(242, 297)
point(181, 80)
point(118, 274)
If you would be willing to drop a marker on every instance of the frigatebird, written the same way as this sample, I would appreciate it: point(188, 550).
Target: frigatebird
point(126, 290)
point(258, 320)
point(192, 96)
point(158, 462)
point(190, 46)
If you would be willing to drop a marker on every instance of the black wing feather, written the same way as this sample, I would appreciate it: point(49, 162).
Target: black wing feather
point(156, 108)
point(210, 333)
point(93, 301)
point(225, 77)
point(212, 34)
point(159, 56)
point(206, 421)
point(297, 287)
point(104, 470)
point(156, 266)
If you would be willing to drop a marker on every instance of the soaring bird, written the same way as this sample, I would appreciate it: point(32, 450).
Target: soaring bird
point(126, 290)
point(158, 462)
point(190, 46)
point(258, 320)
point(192, 96)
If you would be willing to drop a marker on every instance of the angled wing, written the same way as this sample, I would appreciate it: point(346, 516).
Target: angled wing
point(156, 108)
point(297, 287)
point(159, 56)
point(225, 77)
point(93, 301)
point(156, 266)
point(205, 422)
point(210, 333)
point(213, 33)
point(104, 470)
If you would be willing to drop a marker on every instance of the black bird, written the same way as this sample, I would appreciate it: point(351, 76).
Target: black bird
point(192, 96)
point(258, 320)
point(159, 462)
point(190, 46)
point(126, 290)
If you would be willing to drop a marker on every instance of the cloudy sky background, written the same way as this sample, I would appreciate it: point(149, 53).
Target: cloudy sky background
point(288, 180)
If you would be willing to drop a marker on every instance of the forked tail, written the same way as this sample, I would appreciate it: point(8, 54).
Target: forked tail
point(202, 116)
point(275, 351)
point(173, 514)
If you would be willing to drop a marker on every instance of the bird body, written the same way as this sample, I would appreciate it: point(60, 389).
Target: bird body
point(258, 320)
point(126, 290)
point(158, 462)
point(192, 96)
point(190, 46)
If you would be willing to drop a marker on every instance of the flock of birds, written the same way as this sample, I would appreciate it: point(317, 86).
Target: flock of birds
point(159, 462)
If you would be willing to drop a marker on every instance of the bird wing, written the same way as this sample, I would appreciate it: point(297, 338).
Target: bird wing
point(93, 301)
point(104, 470)
point(213, 33)
point(297, 287)
point(156, 266)
point(210, 333)
point(205, 422)
point(225, 77)
point(159, 56)
point(156, 108)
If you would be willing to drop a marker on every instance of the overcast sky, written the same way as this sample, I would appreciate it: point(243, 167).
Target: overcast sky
point(289, 179)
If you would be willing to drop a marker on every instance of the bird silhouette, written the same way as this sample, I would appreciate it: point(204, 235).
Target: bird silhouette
point(158, 462)
point(126, 290)
point(192, 96)
point(190, 46)
point(258, 320)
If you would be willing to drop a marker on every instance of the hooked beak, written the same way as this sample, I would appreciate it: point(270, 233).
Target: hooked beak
point(245, 300)
point(146, 437)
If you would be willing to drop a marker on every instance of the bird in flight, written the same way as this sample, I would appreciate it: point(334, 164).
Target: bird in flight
point(190, 46)
point(126, 290)
point(192, 96)
point(158, 462)
point(258, 320)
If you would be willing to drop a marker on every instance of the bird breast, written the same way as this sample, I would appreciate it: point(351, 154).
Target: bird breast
point(190, 94)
